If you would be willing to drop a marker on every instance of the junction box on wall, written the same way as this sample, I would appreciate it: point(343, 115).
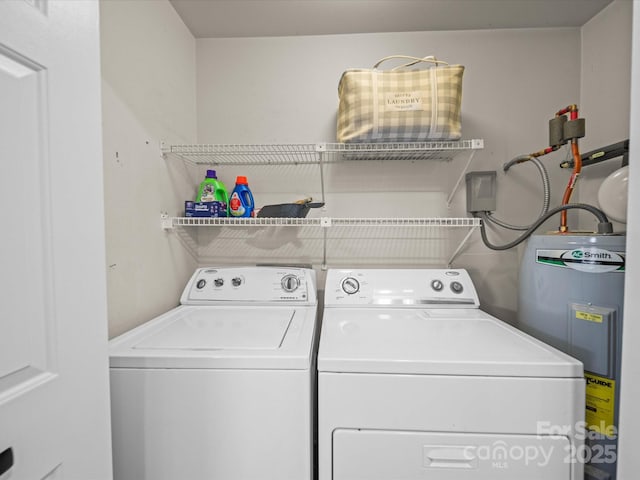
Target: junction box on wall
point(481, 191)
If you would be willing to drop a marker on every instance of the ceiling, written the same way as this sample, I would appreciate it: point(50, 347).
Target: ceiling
point(265, 18)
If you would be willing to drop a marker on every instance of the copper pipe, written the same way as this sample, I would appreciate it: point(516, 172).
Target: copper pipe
point(577, 168)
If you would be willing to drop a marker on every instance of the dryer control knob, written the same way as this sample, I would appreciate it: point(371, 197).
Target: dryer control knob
point(236, 281)
point(218, 282)
point(437, 285)
point(350, 286)
point(456, 287)
point(290, 283)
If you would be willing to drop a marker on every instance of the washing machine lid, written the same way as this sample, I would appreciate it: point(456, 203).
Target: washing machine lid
point(220, 337)
point(434, 342)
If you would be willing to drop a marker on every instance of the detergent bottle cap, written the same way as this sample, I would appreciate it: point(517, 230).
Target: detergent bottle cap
point(241, 180)
point(211, 174)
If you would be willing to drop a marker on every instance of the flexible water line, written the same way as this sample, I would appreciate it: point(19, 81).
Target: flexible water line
point(545, 185)
point(604, 225)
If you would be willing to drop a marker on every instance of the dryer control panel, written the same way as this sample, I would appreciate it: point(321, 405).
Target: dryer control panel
point(251, 285)
point(418, 288)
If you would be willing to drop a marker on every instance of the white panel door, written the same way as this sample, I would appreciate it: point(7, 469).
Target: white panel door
point(54, 410)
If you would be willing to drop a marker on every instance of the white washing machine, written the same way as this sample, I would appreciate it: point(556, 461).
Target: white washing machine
point(222, 386)
point(416, 382)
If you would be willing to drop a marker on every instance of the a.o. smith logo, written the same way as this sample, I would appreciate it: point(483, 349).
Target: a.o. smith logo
point(586, 259)
point(586, 255)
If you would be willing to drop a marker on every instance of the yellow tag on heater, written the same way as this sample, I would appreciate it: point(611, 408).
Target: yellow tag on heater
point(600, 403)
point(590, 317)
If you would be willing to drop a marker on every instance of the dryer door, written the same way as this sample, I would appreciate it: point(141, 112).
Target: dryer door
point(381, 455)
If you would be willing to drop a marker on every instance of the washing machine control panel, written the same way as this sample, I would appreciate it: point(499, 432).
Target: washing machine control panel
point(422, 288)
point(251, 285)
point(290, 282)
point(350, 285)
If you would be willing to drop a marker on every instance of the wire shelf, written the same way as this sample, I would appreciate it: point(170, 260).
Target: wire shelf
point(292, 154)
point(402, 151)
point(242, 222)
point(406, 222)
point(324, 222)
point(314, 153)
point(320, 154)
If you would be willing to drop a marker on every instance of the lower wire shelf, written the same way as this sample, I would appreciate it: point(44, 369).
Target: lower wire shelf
point(171, 222)
point(326, 223)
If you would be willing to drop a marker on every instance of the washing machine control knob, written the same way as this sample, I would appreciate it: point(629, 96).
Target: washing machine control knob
point(456, 287)
point(236, 281)
point(201, 283)
point(350, 285)
point(290, 283)
point(218, 282)
point(437, 285)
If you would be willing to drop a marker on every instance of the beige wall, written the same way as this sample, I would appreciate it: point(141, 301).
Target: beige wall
point(604, 97)
point(148, 72)
point(266, 90)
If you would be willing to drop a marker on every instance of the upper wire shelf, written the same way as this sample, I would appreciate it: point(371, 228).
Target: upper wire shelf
point(313, 153)
point(223, 154)
point(402, 151)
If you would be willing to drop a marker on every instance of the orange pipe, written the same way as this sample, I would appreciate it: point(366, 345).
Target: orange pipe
point(577, 168)
point(545, 151)
point(573, 109)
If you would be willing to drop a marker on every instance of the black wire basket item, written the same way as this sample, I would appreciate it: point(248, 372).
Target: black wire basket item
point(289, 210)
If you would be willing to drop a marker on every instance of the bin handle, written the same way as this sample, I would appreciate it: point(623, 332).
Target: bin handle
point(414, 61)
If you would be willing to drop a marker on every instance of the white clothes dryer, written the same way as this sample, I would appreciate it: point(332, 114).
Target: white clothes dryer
point(223, 386)
point(416, 382)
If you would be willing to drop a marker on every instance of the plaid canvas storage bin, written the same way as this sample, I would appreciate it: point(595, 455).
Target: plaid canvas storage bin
point(402, 104)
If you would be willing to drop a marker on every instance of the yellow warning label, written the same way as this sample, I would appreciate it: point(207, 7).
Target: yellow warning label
point(600, 403)
point(591, 317)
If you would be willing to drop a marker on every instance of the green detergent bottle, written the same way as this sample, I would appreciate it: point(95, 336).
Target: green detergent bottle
point(213, 190)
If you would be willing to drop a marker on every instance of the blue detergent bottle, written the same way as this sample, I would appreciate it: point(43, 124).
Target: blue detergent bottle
point(241, 200)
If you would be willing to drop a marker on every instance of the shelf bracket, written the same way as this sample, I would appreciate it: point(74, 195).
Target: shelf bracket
point(324, 250)
point(325, 223)
point(165, 221)
point(457, 185)
point(455, 254)
point(321, 149)
point(164, 149)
